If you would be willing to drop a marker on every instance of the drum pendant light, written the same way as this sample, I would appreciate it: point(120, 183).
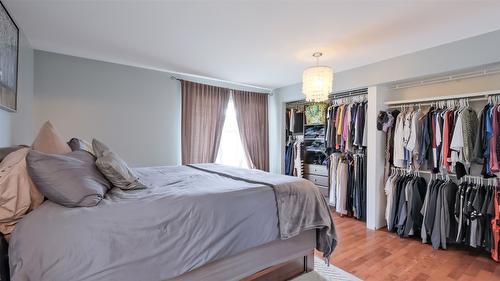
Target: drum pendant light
point(317, 81)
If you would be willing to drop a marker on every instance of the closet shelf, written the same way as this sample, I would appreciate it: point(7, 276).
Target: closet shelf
point(477, 96)
point(315, 149)
point(311, 125)
point(314, 139)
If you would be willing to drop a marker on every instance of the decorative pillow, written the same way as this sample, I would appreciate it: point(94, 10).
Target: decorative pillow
point(71, 180)
point(18, 194)
point(48, 140)
point(4, 151)
point(114, 168)
point(99, 148)
point(79, 144)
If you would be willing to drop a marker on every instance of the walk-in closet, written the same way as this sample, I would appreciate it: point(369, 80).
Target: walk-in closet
point(423, 165)
point(327, 144)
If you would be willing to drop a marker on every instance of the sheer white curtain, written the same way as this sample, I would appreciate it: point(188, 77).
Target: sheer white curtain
point(231, 148)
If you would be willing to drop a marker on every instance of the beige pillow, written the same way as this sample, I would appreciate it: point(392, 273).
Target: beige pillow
point(18, 194)
point(49, 141)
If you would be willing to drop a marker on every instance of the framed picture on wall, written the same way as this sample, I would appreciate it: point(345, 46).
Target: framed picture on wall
point(9, 52)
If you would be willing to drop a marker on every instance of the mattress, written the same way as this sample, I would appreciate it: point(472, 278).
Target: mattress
point(174, 227)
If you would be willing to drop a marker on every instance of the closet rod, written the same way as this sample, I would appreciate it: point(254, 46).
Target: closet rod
point(352, 93)
point(334, 96)
point(295, 104)
point(440, 174)
point(429, 101)
point(432, 103)
point(447, 78)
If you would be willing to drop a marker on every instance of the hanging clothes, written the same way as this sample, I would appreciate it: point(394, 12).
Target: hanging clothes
point(359, 186)
point(330, 136)
point(441, 212)
point(365, 126)
point(298, 164)
point(293, 158)
point(405, 197)
point(341, 185)
point(446, 138)
point(346, 142)
point(346, 128)
point(385, 123)
point(440, 138)
point(332, 170)
point(495, 224)
point(289, 159)
point(298, 122)
point(347, 173)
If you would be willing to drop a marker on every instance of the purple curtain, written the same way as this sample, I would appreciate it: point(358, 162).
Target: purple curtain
point(251, 112)
point(203, 114)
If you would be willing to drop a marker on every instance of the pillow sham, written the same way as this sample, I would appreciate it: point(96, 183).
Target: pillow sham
point(71, 180)
point(18, 194)
point(4, 151)
point(79, 144)
point(114, 168)
point(48, 140)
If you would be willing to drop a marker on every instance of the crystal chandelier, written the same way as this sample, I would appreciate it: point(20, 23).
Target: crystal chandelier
point(317, 81)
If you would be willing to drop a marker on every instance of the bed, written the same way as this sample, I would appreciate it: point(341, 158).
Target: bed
point(199, 222)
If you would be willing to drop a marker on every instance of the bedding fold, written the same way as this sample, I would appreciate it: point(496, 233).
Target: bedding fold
point(300, 204)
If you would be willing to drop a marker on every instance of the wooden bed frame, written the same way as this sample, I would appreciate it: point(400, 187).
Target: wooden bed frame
point(285, 271)
point(276, 260)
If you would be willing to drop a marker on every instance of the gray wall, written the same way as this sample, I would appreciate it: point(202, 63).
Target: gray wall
point(136, 111)
point(17, 127)
point(462, 54)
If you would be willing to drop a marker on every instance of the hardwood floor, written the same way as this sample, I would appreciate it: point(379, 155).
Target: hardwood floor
point(381, 255)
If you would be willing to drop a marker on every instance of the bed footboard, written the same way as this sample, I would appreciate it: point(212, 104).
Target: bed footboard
point(286, 270)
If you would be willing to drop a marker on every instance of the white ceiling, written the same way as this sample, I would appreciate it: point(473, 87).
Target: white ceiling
point(264, 43)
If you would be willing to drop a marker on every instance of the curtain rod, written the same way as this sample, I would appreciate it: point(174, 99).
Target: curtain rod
point(269, 93)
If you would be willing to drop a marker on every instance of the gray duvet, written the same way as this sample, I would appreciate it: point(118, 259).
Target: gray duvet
point(300, 204)
point(185, 219)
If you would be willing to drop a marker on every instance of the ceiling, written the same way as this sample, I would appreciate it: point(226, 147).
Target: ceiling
point(263, 43)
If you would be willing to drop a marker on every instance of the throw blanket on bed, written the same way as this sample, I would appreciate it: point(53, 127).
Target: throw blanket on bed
point(300, 204)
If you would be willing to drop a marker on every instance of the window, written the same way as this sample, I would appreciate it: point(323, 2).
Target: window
point(231, 149)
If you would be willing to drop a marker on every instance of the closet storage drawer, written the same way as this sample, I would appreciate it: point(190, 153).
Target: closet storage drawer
point(319, 170)
point(318, 180)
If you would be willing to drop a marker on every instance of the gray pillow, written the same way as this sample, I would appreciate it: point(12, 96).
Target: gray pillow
point(71, 179)
point(114, 168)
point(79, 144)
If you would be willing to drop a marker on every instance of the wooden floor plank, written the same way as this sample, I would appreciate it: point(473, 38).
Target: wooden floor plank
point(381, 255)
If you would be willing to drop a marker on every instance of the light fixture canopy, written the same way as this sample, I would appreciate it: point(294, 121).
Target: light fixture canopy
point(317, 81)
